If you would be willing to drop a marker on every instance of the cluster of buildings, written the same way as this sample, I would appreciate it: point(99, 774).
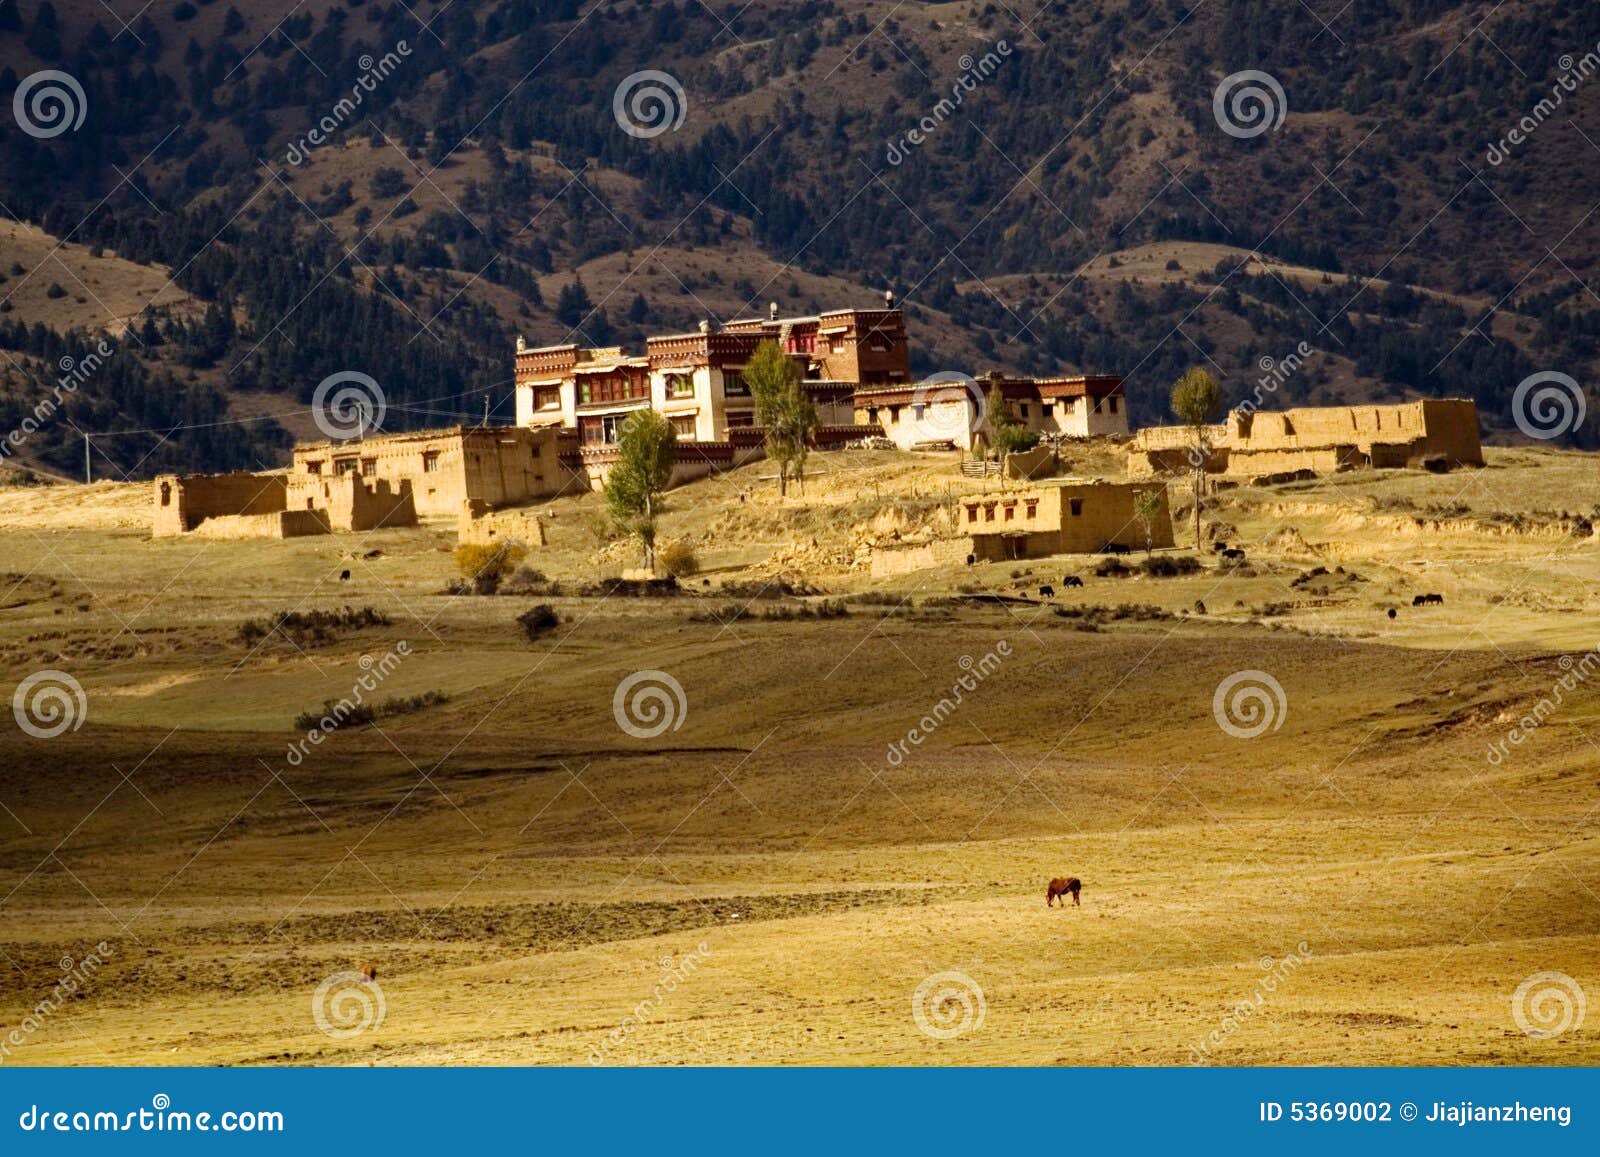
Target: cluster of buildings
point(1261, 444)
point(572, 401)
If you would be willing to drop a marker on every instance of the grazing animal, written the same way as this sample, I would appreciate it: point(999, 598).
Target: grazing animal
point(1113, 548)
point(1392, 612)
point(1418, 600)
point(1071, 580)
point(1047, 592)
point(344, 576)
point(1071, 886)
point(972, 560)
point(1439, 599)
point(1218, 547)
point(369, 973)
point(1199, 606)
point(1234, 554)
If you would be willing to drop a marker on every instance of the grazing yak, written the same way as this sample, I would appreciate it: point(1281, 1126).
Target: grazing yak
point(1070, 886)
point(1047, 592)
point(344, 576)
point(1424, 600)
point(1071, 580)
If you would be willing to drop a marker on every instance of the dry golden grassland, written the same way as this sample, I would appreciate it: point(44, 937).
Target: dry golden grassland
point(778, 877)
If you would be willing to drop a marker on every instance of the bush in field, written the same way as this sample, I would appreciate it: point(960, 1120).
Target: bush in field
point(1170, 565)
point(678, 560)
point(304, 628)
point(538, 621)
point(484, 565)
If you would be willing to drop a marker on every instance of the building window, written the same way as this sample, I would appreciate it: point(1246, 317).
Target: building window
point(1033, 508)
point(430, 461)
point(894, 413)
point(1076, 505)
point(734, 386)
point(916, 411)
point(1113, 404)
point(1047, 408)
point(972, 514)
point(988, 513)
point(613, 389)
point(1023, 410)
point(684, 425)
point(166, 494)
point(680, 386)
point(741, 419)
point(547, 399)
point(342, 466)
point(1011, 512)
point(313, 465)
point(369, 467)
point(1097, 404)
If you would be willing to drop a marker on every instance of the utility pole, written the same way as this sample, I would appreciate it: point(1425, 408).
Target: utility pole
point(86, 472)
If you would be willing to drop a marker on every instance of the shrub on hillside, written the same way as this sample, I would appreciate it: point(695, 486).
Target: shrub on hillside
point(678, 559)
point(485, 565)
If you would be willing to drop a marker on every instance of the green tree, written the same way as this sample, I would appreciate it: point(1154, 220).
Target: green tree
point(1196, 400)
point(783, 410)
point(1006, 434)
point(1147, 508)
point(648, 449)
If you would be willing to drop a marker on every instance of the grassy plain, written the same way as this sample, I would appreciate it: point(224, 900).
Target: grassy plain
point(765, 883)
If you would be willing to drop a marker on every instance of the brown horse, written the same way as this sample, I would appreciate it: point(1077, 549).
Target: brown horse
point(1071, 886)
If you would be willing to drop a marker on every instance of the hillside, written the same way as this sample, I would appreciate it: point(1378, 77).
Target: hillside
point(483, 185)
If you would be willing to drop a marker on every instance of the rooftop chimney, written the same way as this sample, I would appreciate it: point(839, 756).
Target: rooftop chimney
point(772, 310)
point(705, 325)
point(522, 343)
point(888, 298)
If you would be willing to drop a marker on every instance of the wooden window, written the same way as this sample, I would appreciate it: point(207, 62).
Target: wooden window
point(972, 513)
point(612, 389)
point(684, 424)
point(1113, 404)
point(1033, 507)
point(988, 513)
point(734, 385)
point(1011, 512)
point(430, 461)
point(369, 467)
point(741, 419)
point(547, 398)
point(313, 465)
point(344, 466)
point(1076, 505)
point(680, 386)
